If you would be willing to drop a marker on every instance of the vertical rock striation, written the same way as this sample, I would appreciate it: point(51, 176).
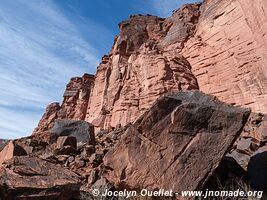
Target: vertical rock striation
point(228, 52)
point(138, 70)
point(218, 47)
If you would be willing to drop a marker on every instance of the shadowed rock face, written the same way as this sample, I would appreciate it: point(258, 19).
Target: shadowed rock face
point(177, 144)
point(81, 130)
point(2, 144)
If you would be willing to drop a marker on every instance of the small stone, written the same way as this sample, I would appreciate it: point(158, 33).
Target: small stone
point(93, 176)
point(79, 162)
point(66, 150)
point(62, 158)
point(71, 159)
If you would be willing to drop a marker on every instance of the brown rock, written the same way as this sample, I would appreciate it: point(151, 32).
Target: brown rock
point(164, 146)
point(65, 150)
point(35, 179)
point(67, 140)
point(11, 150)
point(96, 159)
point(81, 130)
point(244, 146)
point(62, 158)
point(241, 158)
point(3, 143)
point(93, 177)
point(79, 162)
point(87, 151)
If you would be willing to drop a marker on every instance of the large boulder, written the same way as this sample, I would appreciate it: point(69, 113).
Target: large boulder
point(176, 144)
point(81, 130)
point(34, 179)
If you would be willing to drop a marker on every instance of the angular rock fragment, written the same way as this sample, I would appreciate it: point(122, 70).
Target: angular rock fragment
point(34, 179)
point(11, 150)
point(176, 144)
point(67, 140)
point(81, 130)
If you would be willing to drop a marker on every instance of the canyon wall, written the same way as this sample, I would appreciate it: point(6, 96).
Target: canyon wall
point(228, 53)
point(218, 46)
point(137, 71)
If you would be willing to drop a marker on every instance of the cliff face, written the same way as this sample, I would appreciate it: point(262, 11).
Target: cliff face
point(218, 47)
point(228, 52)
point(136, 72)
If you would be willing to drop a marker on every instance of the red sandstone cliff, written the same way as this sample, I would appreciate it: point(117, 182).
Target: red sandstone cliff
point(228, 52)
point(218, 47)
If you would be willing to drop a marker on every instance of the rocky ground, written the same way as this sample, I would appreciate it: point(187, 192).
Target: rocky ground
point(73, 160)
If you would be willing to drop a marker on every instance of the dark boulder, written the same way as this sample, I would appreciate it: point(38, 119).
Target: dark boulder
point(82, 130)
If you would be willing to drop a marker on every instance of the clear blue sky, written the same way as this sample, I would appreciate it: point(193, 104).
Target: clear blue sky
point(43, 43)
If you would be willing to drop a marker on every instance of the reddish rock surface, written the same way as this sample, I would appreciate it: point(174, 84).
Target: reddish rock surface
point(137, 71)
point(218, 47)
point(228, 53)
point(177, 144)
point(10, 150)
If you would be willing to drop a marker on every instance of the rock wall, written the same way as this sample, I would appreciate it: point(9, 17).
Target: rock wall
point(218, 47)
point(228, 52)
point(138, 70)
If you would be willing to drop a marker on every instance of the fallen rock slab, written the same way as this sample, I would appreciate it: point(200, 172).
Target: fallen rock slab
point(35, 179)
point(81, 130)
point(10, 150)
point(177, 144)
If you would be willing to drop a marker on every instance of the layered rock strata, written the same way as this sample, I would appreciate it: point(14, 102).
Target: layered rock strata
point(137, 72)
point(228, 52)
point(218, 46)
